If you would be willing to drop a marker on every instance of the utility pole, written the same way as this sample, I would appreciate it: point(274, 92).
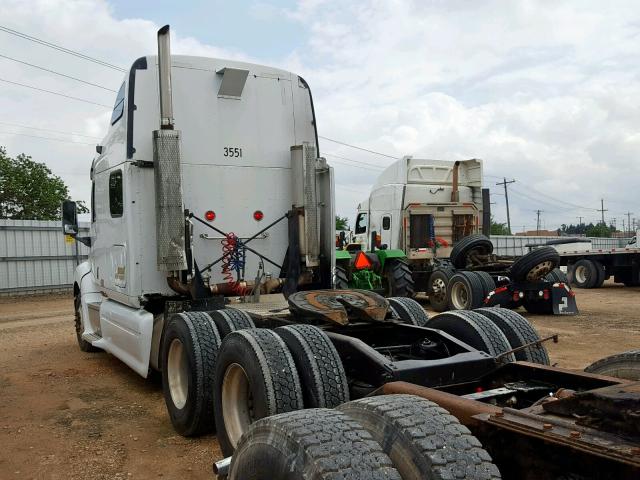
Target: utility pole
point(602, 210)
point(506, 199)
point(580, 219)
point(538, 222)
point(629, 220)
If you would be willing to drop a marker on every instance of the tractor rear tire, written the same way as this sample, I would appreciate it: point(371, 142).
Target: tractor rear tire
point(465, 291)
point(624, 365)
point(535, 265)
point(519, 332)
point(190, 347)
point(473, 329)
point(255, 377)
point(437, 288)
point(408, 311)
point(473, 243)
point(319, 444)
point(231, 319)
point(399, 279)
point(324, 381)
point(422, 439)
point(341, 278)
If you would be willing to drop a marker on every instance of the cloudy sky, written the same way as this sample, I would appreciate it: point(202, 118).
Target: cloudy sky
point(545, 92)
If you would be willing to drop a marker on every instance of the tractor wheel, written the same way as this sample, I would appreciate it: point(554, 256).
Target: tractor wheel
point(399, 279)
point(408, 311)
point(464, 248)
point(623, 365)
point(422, 439)
point(535, 265)
point(465, 291)
point(475, 330)
point(255, 377)
point(324, 381)
point(319, 444)
point(487, 282)
point(341, 278)
point(519, 332)
point(189, 352)
point(231, 319)
point(437, 288)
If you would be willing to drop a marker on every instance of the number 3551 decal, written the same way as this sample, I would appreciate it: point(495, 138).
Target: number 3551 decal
point(232, 152)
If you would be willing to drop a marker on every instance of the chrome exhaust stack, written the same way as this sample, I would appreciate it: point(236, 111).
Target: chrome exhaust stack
point(170, 231)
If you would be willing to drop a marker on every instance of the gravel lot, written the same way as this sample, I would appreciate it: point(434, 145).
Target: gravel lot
point(65, 414)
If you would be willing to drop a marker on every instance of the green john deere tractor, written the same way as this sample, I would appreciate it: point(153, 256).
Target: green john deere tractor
point(385, 271)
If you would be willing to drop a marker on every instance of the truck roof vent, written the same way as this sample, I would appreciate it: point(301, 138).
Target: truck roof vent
point(233, 80)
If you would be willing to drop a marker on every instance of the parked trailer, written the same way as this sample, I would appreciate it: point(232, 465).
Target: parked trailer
point(589, 268)
point(237, 363)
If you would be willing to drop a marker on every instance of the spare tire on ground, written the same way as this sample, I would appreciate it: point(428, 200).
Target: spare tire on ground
point(622, 365)
point(519, 332)
point(318, 444)
point(535, 265)
point(465, 291)
point(422, 439)
point(475, 330)
point(464, 249)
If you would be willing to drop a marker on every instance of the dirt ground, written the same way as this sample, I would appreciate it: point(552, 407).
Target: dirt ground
point(65, 414)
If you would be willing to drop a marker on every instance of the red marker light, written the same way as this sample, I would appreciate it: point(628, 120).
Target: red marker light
point(210, 215)
point(258, 215)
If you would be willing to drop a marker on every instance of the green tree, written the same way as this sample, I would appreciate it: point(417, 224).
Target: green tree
point(498, 228)
point(29, 191)
point(599, 230)
point(342, 223)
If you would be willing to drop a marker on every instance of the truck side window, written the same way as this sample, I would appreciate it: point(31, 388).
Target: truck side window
point(118, 108)
point(386, 223)
point(361, 223)
point(115, 194)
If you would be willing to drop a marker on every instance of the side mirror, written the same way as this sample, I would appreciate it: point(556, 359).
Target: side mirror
point(69, 218)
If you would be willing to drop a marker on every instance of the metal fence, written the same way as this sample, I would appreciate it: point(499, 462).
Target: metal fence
point(516, 246)
point(34, 257)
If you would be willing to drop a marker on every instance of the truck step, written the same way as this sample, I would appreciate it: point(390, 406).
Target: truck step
point(90, 337)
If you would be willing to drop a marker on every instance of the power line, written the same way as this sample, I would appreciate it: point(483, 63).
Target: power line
point(58, 73)
point(358, 148)
point(54, 93)
point(61, 49)
point(48, 130)
point(355, 161)
point(45, 138)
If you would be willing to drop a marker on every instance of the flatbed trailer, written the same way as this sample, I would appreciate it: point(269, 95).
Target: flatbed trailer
point(590, 268)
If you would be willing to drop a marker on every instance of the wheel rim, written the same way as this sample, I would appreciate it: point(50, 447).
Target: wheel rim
point(439, 290)
point(237, 403)
point(540, 271)
point(580, 274)
point(178, 374)
point(459, 296)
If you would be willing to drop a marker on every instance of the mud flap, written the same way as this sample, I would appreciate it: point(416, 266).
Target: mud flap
point(564, 300)
point(502, 297)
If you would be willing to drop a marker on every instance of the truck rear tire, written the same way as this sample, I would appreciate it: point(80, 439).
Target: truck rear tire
point(583, 274)
point(255, 377)
point(539, 307)
point(601, 273)
point(422, 439)
point(408, 310)
point(472, 244)
point(79, 324)
point(519, 332)
point(437, 288)
point(624, 365)
point(230, 319)
point(557, 276)
point(465, 291)
point(319, 444)
point(473, 329)
point(189, 351)
point(399, 279)
point(535, 265)
point(487, 282)
point(324, 381)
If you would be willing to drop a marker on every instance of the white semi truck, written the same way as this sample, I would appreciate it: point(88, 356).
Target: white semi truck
point(274, 378)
